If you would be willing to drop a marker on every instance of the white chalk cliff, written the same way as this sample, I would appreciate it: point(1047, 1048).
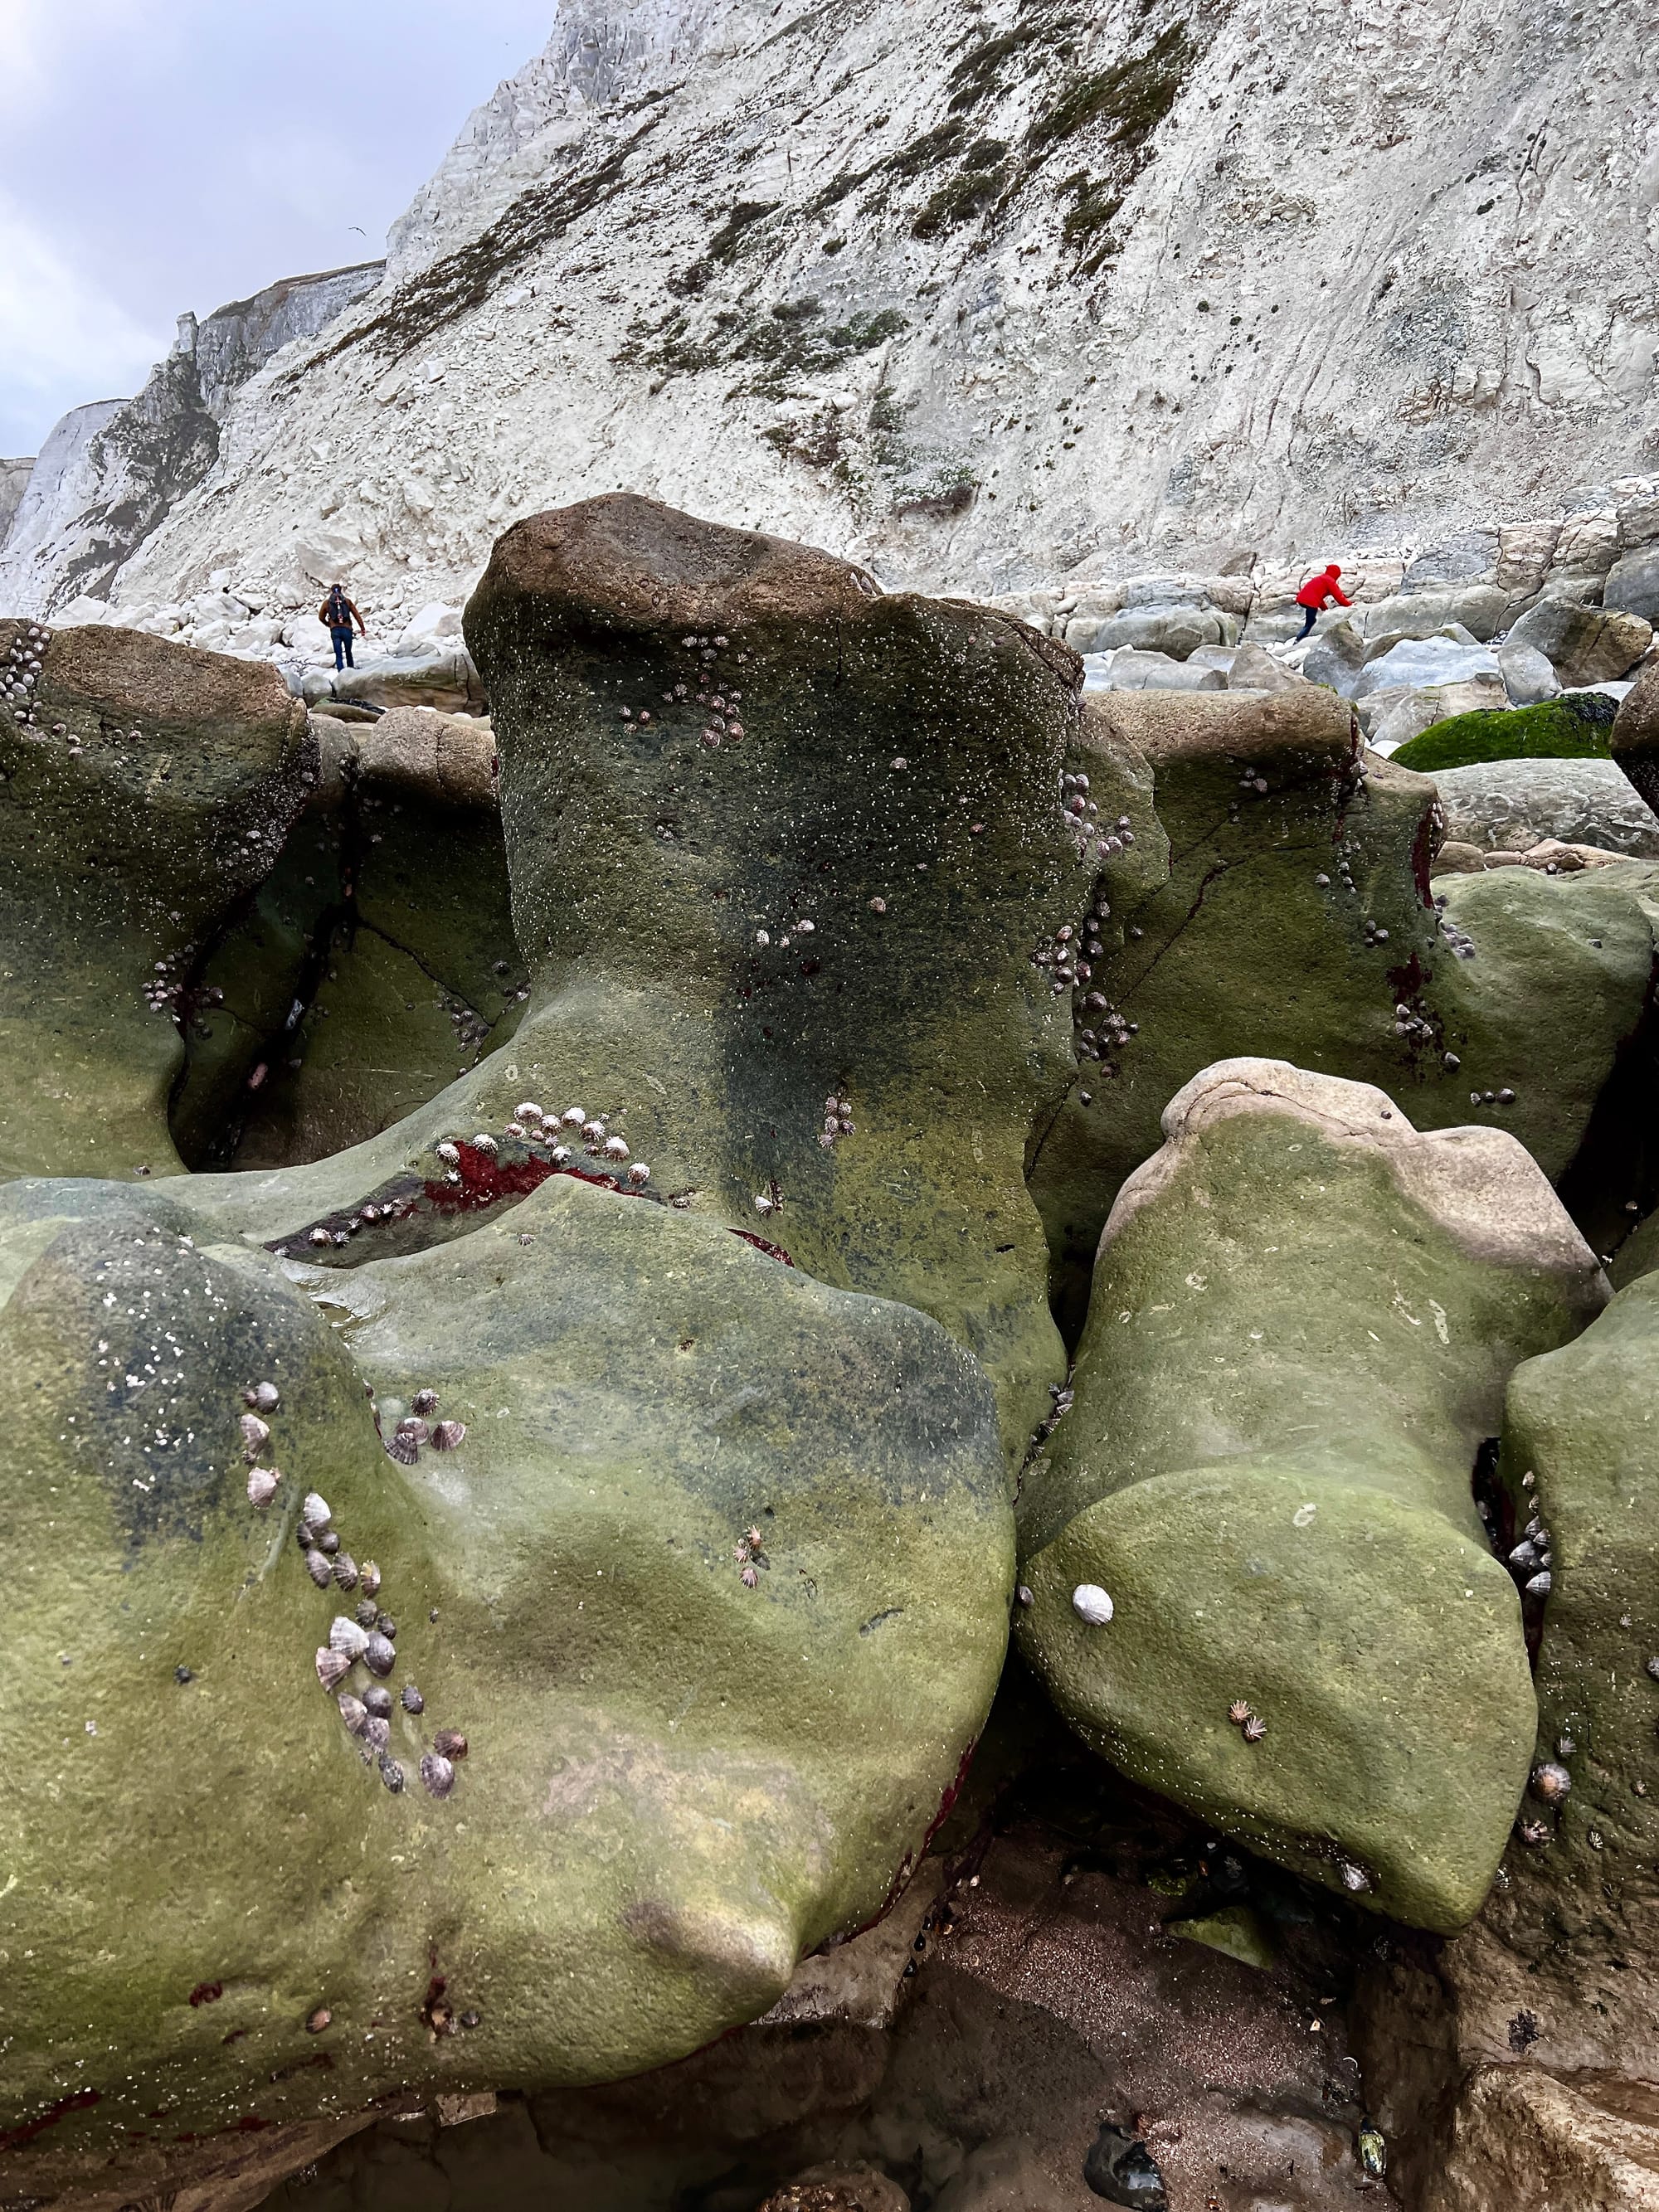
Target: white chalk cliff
point(977, 294)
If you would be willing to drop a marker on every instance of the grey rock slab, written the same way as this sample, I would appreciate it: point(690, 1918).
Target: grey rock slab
point(1513, 804)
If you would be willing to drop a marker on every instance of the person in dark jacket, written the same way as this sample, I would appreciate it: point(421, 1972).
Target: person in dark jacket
point(337, 614)
point(1319, 593)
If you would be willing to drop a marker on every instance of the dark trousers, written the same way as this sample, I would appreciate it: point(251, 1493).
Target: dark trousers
point(343, 648)
point(1309, 616)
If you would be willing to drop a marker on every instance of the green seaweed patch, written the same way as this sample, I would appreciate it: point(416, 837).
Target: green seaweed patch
point(1132, 97)
point(1578, 727)
point(722, 248)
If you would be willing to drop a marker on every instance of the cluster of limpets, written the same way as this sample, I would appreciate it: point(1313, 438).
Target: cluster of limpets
point(366, 1637)
point(723, 704)
point(535, 1126)
point(20, 674)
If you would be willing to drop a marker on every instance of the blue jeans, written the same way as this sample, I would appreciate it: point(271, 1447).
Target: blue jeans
point(1309, 616)
point(343, 647)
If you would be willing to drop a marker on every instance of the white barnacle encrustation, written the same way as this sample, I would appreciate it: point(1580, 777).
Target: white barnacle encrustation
point(763, 1203)
point(485, 1144)
point(528, 1111)
point(638, 1173)
point(574, 1117)
point(450, 1154)
point(616, 1148)
point(1091, 1604)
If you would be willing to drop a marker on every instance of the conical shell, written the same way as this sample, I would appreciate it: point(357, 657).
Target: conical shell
point(345, 1636)
point(377, 1733)
point(448, 1435)
point(378, 1701)
point(320, 1568)
point(380, 1655)
point(332, 1666)
point(391, 1774)
point(345, 1570)
point(315, 1509)
point(256, 1434)
point(437, 1774)
point(369, 1577)
point(450, 1743)
point(261, 1487)
point(353, 1712)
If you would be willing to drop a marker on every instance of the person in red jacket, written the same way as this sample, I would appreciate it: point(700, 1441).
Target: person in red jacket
point(1316, 594)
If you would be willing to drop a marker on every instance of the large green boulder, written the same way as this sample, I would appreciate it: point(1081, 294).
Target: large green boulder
point(374, 965)
point(1580, 1470)
point(1259, 1584)
point(829, 886)
point(145, 789)
point(713, 1577)
point(1296, 920)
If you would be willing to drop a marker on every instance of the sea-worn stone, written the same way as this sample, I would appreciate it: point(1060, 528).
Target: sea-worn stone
point(1251, 668)
point(1176, 630)
point(1514, 2065)
point(1134, 670)
point(713, 1582)
point(1529, 676)
point(1509, 806)
point(1303, 1318)
point(1297, 922)
point(377, 962)
point(146, 789)
point(1392, 719)
point(1336, 656)
point(1633, 740)
point(884, 770)
point(1632, 584)
point(1414, 663)
point(1478, 608)
point(443, 678)
point(1586, 645)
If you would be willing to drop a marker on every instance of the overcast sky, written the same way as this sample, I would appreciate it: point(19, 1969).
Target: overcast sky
point(160, 155)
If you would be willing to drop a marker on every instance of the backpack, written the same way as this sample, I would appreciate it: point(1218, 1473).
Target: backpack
point(335, 610)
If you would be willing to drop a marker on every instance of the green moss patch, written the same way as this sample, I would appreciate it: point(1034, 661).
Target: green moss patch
point(1577, 728)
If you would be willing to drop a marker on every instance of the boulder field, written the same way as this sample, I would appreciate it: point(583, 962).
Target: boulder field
point(565, 1276)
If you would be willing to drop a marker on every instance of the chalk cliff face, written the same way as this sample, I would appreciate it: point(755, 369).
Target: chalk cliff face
point(110, 473)
point(978, 293)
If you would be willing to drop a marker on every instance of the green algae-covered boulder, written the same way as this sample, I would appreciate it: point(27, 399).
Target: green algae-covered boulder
point(712, 1577)
point(1575, 728)
point(1580, 1472)
point(782, 848)
point(145, 789)
point(374, 965)
point(1634, 739)
point(1296, 920)
point(1259, 1582)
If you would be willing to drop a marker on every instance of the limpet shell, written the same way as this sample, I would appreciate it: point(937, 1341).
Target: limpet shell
point(332, 1666)
point(379, 1656)
point(437, 1774)
point(346, 1636)
point(261, 1487)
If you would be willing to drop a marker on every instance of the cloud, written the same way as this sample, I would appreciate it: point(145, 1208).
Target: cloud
point(61, 339)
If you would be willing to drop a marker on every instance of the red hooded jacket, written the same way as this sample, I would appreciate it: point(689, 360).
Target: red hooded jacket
point(1319, 591)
